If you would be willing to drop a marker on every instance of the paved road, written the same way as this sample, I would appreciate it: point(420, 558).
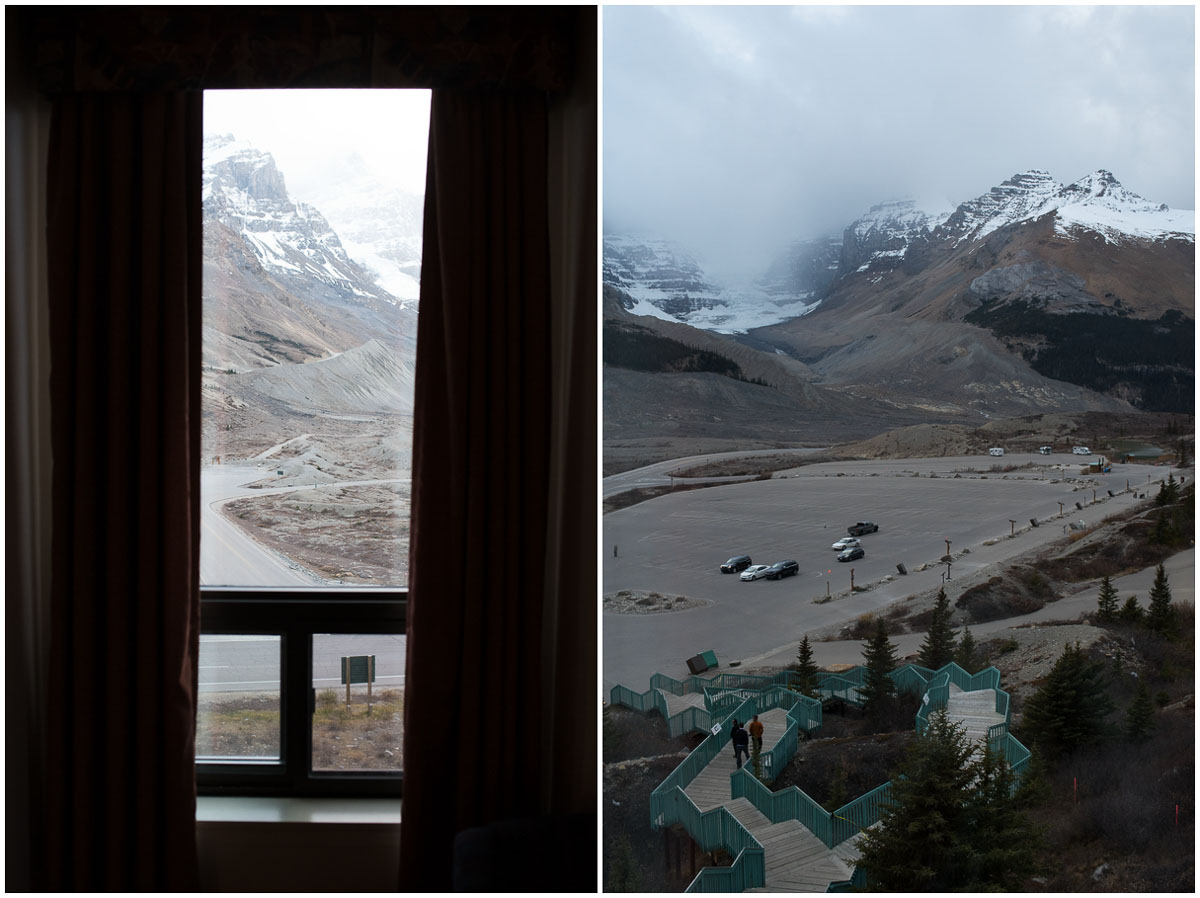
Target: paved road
point(231, 557)
point(251, 663)
point(656, 474)
point(675, 543)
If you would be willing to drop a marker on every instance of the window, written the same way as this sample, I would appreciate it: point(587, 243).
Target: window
point(312, 241)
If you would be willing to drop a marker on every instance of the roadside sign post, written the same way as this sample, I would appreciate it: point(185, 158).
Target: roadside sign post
point(358, 669)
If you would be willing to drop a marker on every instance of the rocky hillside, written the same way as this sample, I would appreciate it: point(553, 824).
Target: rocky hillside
point(294, 326)
point(1034, 296)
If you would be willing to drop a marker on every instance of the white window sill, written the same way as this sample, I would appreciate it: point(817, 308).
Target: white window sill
point(246, 809)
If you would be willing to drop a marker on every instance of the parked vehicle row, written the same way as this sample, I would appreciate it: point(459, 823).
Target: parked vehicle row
point(848, 548)
point(776, 571)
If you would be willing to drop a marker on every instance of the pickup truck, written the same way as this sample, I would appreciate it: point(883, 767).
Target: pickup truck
point(862, 527)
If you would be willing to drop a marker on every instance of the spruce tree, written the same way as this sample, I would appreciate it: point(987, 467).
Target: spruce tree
point(1161, 615)
point(1003, 841)
point(1139, 719)
point(964, 654)
point(1069, 709)
point(918, 844)
point(1106, 605)
point(1168, 493)
point(807, 672)
point(879, 655)
point(1131, 612)
point(951, 823)
point(938, 648)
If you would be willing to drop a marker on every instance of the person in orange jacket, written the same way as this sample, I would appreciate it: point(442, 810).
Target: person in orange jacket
point(756, 731)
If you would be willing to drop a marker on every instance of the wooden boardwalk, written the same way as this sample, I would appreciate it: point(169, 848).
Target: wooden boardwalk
point(679, 703)
point(976, 711)
point(710, 788)
point(795, 860)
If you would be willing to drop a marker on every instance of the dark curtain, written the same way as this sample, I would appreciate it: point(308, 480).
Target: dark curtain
point(124, 264)
point(473, 715)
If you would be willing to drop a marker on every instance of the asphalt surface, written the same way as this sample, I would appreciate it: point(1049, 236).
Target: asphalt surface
point(250, 664)
point(674, 545)
point(228, 555)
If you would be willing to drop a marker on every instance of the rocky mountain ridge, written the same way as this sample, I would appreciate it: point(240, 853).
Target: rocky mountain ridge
point(1035, 297)
point(890, 236)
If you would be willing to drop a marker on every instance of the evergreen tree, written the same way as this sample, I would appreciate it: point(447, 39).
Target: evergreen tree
point(1069, 709)
point(1003, 841)
point(1107, 603)
point(1161, 615)
point(938, 648)
point(1185, 456)
point(879, 655)
point(1165, 532)
point(807, 672)
point(1168, 493)
point(1131, 612)
point(918, 844)
point(1139, 719)
point(964, 655)
point(950, 823)
point(623, 874)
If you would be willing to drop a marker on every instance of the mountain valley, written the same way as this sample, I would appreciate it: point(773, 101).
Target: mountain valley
point(1034, 297)
point(308, 370)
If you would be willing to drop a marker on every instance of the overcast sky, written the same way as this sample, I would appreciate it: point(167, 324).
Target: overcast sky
point(308, 130)
point(737, 129)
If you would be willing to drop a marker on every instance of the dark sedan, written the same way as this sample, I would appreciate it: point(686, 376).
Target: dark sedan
point(852, 553)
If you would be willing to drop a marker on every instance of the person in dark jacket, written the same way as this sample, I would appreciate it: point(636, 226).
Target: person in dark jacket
point(741, 743)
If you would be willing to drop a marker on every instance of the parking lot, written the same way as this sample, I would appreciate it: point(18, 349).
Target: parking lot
point(675, 545)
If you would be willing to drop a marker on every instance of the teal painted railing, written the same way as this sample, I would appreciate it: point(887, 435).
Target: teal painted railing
point(792, 803)
point(1016, 754)
point(713, 829)
point(787, 804)
point(856, 883)
point(911, 678)
point(852, 818)
point(748, 871)
point(936, 696)
point(719, 829)
point(681, 776)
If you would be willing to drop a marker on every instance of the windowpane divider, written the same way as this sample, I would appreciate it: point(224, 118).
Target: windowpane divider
point(295, 615)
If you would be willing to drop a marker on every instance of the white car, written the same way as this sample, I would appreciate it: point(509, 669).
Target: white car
point(755, 571)
point(846, 542)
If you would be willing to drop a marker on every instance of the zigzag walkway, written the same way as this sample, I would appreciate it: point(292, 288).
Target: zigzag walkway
point(975, 712)
point(795, 859)
point(794, 856)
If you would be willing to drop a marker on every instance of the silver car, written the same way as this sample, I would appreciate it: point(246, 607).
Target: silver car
point(755, 571)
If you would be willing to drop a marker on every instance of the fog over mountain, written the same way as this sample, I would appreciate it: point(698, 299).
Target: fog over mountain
point(737, 131)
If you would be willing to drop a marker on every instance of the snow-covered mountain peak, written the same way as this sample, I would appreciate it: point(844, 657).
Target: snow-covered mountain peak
point(1099, 202)
point(245, 191)
point(902, 214)
point(664, 280)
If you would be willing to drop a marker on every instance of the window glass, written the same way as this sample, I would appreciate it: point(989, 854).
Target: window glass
point(358, 707)
point(239, 713)
point(312, 205)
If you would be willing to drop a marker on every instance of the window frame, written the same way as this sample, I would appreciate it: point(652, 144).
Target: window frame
point(295, 615)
